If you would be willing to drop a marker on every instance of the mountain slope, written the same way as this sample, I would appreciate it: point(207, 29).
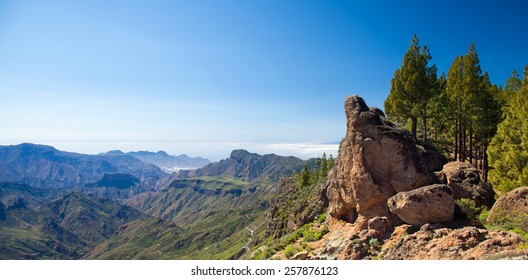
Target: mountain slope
point(46, 167)
point(250, 167)
point(193, 200)
point(213, 215)
point(35, 225)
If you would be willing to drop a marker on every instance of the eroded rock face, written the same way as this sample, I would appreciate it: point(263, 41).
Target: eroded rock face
point(429, 204)
point(376, 161)
point(452, 244)
point(464, 180)
point(511, 209)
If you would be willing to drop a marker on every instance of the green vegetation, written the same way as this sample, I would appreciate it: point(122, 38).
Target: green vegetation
point(374, 242)
point(470, 209)
point(515, 221)
point(467, 112)
point(221, 183)
point(508, 151)
point(289, 243)
point(508, 221)
point(65, 228)
point(317, 175)
point(291, 250)
point(412, 87)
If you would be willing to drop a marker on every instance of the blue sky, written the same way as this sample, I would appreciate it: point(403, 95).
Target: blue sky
point(206, 77)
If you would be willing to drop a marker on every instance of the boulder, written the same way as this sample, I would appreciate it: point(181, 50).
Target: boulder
point(511, 209)
point(379, 226)
point(464, 180)
point(429, 204)
point(376, 161)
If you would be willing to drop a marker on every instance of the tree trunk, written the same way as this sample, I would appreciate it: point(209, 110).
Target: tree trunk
point(456, 139)
point(471, 144)
point(464, 142)
point(486, 167)
point(414, 124)
point(425, 128)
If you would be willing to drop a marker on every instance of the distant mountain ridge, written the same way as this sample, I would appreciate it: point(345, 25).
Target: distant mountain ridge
point(165, 161)
point(251, 166)
point(46, 167)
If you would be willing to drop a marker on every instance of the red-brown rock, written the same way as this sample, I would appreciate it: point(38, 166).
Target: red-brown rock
point(429, 204)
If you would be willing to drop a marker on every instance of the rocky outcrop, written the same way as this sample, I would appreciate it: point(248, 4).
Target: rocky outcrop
point(250, 167)
point(391, 197)
point(511, 210)
point(430, 204)
point(376, 161)
point(430, 243)
point(464, 180)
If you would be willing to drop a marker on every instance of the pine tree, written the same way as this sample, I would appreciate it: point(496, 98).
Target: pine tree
point(508, 151)
point(487, 115)
point(324, 167)
point(441, 108)
point(513, 84)
point(455, 92)
point(474, 91)
point(411, 87)
point(305, 177)
point(331, 162)
point(525, 80)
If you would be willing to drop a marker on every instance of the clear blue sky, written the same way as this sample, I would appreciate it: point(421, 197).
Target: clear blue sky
point(206, 77)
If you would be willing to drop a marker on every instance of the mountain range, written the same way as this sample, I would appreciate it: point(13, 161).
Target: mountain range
point(62, 205)
point(46, 167)
point(165, 161)
point(251, 167)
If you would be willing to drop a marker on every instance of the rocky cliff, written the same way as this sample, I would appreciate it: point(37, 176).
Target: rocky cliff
point(392, 197)
point(376, 161)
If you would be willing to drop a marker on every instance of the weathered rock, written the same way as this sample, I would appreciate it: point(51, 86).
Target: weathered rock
point(300, 256)
point(429, 204)
point(379, 226)
point(452, 244)
point(376, 161)
point(511, 209)
point(464, 180)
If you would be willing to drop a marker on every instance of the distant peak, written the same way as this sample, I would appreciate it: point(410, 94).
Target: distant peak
point(115, 152)
point(240, 154)
point(162, 153)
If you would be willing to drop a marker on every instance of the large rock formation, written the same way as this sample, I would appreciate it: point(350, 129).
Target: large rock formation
point(430, 204)
point(376, 161)
point(464, 180)
point(382, 168)
point(511, 210)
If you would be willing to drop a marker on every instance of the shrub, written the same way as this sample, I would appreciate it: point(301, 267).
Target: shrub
point(374, 242)
point(291, 250)
point(468, 208)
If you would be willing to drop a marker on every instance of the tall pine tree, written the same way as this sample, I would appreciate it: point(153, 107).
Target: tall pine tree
point(411, 87)
point(508, 151)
